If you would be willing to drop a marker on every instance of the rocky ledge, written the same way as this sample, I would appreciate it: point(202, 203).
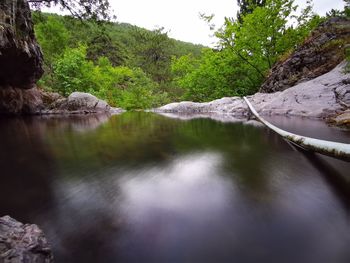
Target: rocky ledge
point(323, 97)
point(21, 243)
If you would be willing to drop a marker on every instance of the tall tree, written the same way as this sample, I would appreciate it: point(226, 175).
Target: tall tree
point(154, 52)
point(101, 45)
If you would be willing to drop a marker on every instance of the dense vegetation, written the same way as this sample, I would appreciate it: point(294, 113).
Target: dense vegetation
point(126, 65)
point(248, 48)
point(131, 67)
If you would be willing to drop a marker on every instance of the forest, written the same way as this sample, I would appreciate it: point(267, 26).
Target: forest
point(134, 68)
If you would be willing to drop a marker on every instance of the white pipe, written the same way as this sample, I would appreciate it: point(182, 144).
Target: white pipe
point(333, 149)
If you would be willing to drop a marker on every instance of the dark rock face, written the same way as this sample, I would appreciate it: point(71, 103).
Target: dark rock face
point(320, 53)
point(21, 59)
point(21, 243)
point(20, 56)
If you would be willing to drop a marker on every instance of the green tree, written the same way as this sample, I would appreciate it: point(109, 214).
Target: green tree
point(154, 55)
point(101, 45)
point(347, 8)
point(72, 72)
point(247, 51)
point(247, 7)
point(266, 33)
point(53, 39)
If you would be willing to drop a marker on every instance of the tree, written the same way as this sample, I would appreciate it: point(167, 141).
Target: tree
point(154, 52)
point(247, 7)
point(53, 39)
point(72, 72)
point(266, 33)
point(347, 8)
point(246, 52)
point(101, 45)
point(94, 9)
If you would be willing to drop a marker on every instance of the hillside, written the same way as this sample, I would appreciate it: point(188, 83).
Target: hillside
point(126, 65)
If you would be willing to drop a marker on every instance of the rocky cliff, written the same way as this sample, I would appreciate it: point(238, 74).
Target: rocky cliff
point(21, 59)
point(320, 53)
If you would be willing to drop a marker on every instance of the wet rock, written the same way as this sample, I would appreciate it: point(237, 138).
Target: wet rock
point(322, 97)
point(20, 101)
point(21, 243)
point(319, 54)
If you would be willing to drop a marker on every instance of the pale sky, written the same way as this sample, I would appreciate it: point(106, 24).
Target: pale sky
point(181, 17)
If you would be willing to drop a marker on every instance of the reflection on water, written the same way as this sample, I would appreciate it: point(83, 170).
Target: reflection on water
point(145, 188)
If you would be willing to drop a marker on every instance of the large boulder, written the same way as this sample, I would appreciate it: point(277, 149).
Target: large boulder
point(76, 103)
point(21, 60)
point(21, 243)
point(319, 54)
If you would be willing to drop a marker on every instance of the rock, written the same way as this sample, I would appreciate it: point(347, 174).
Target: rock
point(87, 102)
point(322, 97)
point(234, 106)
point(342, 119)
point(21, 243)
point(319, 54)
point(76, 103)
point(20, 101)
point(21, 60)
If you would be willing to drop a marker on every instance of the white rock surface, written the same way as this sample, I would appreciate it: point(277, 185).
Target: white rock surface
point(321, 97)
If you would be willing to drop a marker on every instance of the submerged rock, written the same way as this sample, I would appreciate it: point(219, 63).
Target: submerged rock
point(21, 243)
point(322, 97)
point(319, 54)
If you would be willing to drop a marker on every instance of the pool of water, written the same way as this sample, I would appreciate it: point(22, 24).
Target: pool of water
point(140, 187)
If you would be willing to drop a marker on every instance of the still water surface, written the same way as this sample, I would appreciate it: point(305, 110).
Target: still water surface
point(139, 187)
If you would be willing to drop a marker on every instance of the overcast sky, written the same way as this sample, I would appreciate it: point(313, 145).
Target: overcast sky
point(181, 17)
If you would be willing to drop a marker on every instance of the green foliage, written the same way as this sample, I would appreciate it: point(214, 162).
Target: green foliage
point(102, 46)
point(72, 72)
point(213, 76)
point(125, 87)
point(53, 38)
point(247, 50)
point(125, 65)
point(347, 8)
point(119, 86)
point(247, 7)
point(154, 53)
point(134, 68)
